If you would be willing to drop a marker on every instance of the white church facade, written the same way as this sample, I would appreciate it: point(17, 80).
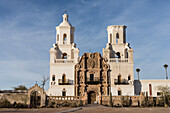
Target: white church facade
point(94, 74)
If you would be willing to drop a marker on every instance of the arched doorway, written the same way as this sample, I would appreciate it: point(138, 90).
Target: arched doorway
point(35, 100)
point(91, 97)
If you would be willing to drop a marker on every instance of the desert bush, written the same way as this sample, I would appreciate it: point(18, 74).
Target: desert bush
point(51, 105)
point(21, 105)
point(126, 101)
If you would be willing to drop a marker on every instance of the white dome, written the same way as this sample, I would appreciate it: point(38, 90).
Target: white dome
point(65, 23)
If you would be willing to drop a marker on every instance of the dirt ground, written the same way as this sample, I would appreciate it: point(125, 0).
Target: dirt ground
point(91, 108)
point(103, 109)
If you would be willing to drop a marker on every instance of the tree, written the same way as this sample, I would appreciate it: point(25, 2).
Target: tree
point(165, 93)
point(138, 70)
point(44, 80)
point(166, 66)
point(20, 87)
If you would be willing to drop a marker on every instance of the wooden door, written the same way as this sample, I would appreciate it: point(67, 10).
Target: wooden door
point(91, 97)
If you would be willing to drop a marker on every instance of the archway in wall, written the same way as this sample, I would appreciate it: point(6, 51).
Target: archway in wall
point(36, 96)
point(91, 97)
point(35, 99)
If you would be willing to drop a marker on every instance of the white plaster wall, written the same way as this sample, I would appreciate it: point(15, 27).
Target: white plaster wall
point(56, 90)
point(125, 89)
point(123, 68)
point(58, 69)
point(154, 83)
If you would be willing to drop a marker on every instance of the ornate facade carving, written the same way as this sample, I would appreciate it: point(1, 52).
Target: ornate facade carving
point(92, 74)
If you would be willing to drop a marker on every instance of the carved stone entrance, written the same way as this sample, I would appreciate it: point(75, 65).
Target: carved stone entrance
point(36, 96)
point(91, 97)
point(92, 74)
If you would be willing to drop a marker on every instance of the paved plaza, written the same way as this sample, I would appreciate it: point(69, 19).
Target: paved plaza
point(91, 108)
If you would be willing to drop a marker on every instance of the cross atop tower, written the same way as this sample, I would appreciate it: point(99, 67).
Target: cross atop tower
point(65, 11)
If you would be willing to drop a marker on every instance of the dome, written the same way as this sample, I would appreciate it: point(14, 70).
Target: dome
point(65, 23)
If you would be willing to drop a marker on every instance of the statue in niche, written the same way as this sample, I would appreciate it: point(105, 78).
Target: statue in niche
point(103, 77)
point(103, 91)
point(81, 92)
point(81, 77)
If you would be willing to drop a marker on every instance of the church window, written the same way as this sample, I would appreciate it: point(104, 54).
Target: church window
point(126, 53)
point(53, 78)
point(129, 77)
point(91, 77)
point(119, 79)
point(63, 93)
point(117, 55)
point(57, 37)
point(110, 38)
point(64, 39)
point(119, 93)
point(117, 38)
point(63, 78)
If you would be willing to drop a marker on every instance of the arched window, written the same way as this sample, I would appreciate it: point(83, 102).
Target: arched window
point(117, 55)
point(63, 78)
point(64, 56)
point(129, 77)
point(119, 78)
point(119, 92)
point(64, 39)
point(117, 38)
point(91, 77)
point(110, 38)
point(53, 78)
point(64, 92)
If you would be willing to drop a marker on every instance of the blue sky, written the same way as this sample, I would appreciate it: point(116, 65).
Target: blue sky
point(27, 32)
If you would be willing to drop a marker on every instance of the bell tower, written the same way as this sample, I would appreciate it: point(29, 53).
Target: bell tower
point(63, 57)
point(120, 58)
point(116, 34)
point(65, 32)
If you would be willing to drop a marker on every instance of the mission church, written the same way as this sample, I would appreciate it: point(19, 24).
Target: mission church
point(91, 78)
point(92, 74)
